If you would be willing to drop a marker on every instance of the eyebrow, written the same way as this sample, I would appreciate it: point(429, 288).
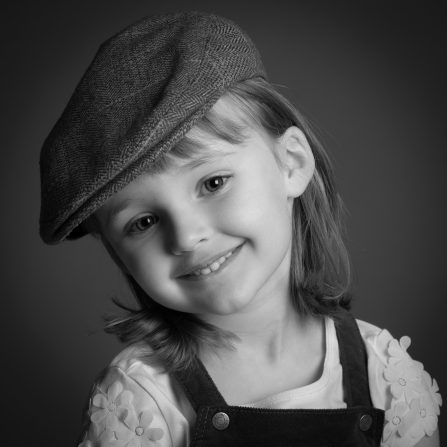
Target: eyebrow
point(197, 160)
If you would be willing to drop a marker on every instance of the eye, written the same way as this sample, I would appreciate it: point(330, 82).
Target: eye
point(215, 183)
point(143, 223)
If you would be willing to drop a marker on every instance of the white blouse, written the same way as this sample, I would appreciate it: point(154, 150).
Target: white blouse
point(137, 405)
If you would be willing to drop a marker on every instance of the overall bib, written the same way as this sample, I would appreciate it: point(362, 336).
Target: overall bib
point(358, 425)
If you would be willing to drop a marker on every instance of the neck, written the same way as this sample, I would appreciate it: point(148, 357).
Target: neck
point(265, 329)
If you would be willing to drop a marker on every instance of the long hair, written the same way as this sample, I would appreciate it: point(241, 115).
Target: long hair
point(319, 270)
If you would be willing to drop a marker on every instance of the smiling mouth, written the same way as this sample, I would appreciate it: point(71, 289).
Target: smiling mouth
point(213, 267)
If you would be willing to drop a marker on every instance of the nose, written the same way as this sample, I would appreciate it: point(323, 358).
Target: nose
point(189, 227)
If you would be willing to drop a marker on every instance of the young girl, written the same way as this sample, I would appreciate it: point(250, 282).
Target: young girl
point(217, 202)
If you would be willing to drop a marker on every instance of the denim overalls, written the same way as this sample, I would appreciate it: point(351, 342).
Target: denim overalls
point(358, 425)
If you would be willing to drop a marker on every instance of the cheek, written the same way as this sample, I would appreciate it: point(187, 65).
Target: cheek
point(259, 202)
point(146, 265)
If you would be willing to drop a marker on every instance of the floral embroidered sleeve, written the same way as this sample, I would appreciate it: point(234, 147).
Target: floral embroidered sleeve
point(400, 386)
point(122, 414)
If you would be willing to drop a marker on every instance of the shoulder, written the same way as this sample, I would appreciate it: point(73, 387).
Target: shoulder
point(134, 401)
point(401, 387)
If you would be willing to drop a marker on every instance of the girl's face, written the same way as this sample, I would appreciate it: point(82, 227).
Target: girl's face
point(210, 235)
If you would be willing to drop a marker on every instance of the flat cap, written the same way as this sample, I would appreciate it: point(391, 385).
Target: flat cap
point(144, 90)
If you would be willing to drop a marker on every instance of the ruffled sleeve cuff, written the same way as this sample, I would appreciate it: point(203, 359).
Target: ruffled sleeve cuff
point(400, 386)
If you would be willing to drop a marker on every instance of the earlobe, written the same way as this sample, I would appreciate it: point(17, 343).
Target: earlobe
point(298, 161)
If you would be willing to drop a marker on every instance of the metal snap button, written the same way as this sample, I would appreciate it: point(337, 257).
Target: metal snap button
point(221, 420)
point(365, 422)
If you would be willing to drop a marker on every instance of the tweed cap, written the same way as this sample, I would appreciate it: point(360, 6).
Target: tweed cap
point(145, 88)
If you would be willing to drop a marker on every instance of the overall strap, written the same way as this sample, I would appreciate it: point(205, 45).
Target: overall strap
point(199, 387)
point(353, 359)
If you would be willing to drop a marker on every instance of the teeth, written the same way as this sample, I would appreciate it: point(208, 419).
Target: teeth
point(212, 267)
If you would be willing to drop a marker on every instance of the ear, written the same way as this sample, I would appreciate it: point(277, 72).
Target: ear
point(298, 162)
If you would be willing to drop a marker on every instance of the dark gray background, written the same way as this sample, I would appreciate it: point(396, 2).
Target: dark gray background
point(370, 77)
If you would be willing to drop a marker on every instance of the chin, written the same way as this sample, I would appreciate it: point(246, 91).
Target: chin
point(228, 306)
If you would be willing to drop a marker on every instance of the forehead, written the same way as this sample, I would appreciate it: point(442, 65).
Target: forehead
point(209, 154)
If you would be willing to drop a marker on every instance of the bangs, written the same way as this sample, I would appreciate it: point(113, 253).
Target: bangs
point(216, 125)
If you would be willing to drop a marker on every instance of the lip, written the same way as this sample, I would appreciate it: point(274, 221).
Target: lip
point(187, 274)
